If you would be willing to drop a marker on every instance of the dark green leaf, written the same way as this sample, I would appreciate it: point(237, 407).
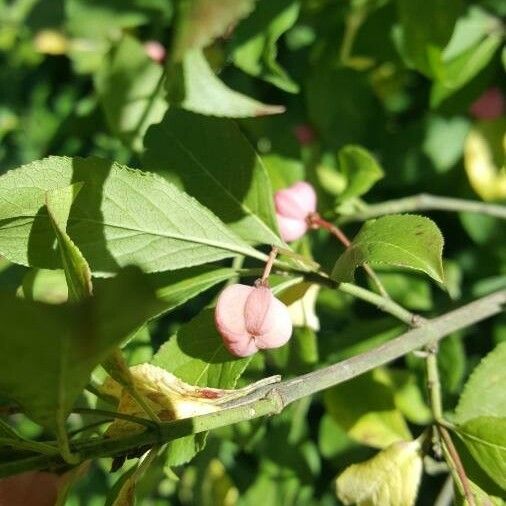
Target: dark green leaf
point(360, 169)
point(254, 43)
point(196, 354)
point(130, 89)
point(59, 345)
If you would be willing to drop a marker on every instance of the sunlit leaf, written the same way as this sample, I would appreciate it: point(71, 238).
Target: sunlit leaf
point(408, 241)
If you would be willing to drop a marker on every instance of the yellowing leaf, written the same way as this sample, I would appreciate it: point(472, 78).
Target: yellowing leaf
point(484, 153)
point(168, 396)
point(390, 478)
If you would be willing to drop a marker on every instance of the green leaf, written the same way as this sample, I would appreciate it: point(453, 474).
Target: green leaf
point(175, 288)
point(117, 213)
point(483, 498)
point(231, 181)
point(408, 241)
point(390, 478)
point(422, 38)
point(77, 270)
point(130, 89)
point(193, 85)
point(197, 355)
point(485, 437)
point(365, 408)
point(484, 393)
point(254, 42)
point(360, 169)
point(47, 352)
point(202, 21)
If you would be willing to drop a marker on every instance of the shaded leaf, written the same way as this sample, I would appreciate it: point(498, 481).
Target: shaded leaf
point(130, 88)
point(201, 21)
point(408, 241)
point(423, 39)
point(61, 345)
point(360, 169)
point(197, 355)
point(123, 491)
point(254, 43)
point(75, 266)
point(231, 181)
point(115, 215)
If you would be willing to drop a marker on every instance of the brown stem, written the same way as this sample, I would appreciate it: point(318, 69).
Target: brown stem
point(268, 265)
point(316, 221)
point(457, 464)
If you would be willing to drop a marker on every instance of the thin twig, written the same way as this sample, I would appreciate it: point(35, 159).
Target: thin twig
point(436, 401)
point(279, 395)
point(425, 202)
point(268, 265)
point(456, 464)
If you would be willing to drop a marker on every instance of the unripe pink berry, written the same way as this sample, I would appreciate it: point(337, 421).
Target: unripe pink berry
point(293, 205)
point(304, 134)
point(155, 50)
point(489, 105)
point(250, 318)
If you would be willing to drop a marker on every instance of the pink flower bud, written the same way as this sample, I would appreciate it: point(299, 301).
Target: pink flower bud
point(490, 105)
point(293, 205)
point(155, 50)
point(250, 318)
point(304, 134)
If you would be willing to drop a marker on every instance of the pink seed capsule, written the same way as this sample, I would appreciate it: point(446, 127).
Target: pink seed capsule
point(250, 318)
point(489, 105)
point(293, 205)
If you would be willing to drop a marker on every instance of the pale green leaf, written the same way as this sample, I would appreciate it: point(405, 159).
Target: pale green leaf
point(409, 241)
point(484, 394)
point(231, 181)
point(59, 345)
point(123, 491)
point(45, 286)
point(197, 355)
point(365, 407)
point(254, 42)
point(485, 437)
point(194, 86)
point(75, 266)
point(390, 478)
point(360, 169)
point(130, 88)
point(201, 21)
point(120, 217)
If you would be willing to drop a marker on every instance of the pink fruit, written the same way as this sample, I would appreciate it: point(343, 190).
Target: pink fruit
point(293, 205)
point(489, 105)
point(250, 318)
point(155, 50)
point(304, 134)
